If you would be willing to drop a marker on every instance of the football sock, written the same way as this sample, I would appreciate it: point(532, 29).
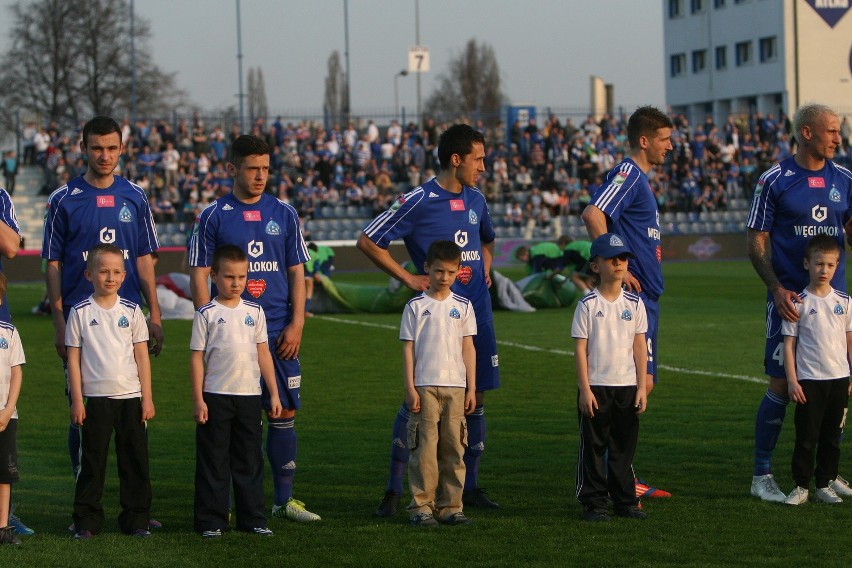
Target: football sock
point(281, 451)
point(399, 451)
point(74, 448)
point(767, 428)
point(307, 304)
point(475, 446)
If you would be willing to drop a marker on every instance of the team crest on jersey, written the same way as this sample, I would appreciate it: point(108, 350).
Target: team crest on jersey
point(249, 321)
point(256, 287)
point(472, 217)
point(125, 216)
point(398, 203)
point(454, 313)
point(626, 315)
point(105, 201)
point(272, 228)
point(834, 195)
point(838, 310)
point(3, 343)
point(123, 322)
point(464, 275)
point(425, 313)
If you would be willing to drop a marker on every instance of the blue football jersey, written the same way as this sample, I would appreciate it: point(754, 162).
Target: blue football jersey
point(7, 215)
point(430, 213)
point(80, 217)
point(793, 204)
point(631, 209)
point(268, 231)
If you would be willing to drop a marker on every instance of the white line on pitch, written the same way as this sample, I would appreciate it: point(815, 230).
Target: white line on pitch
point(562, 352)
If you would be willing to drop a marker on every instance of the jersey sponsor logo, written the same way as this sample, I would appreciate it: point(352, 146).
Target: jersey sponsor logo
point(251, 216)
point(93, 323)
point(107, 235)
point(838, 310)
point(294, 382)
point(425, 313)
point(460, 238)
point(495, 361)
point(816, 182)
point(124, 253)
point(654, 233)
point(834, 195)
point(472, 217)
point(433, 194)
point(263, 266)
point(125, 216)
point(227, 207)
point(3, 343)
point(465, 274)
point(272, 228)
point(814, 230)
point(456, 205)
point(123, 322)
point(454, 313)
point(626, 315)
point(220, 321)
point(470, 255)
point(256, 287)
point(255, 248)
point(105, 200)
point(249, 321)
point(819, 213)
point(77, 191)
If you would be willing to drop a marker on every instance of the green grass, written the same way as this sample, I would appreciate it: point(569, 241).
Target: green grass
point(696, 440)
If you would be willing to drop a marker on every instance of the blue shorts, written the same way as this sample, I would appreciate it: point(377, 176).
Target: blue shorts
point(773, 355)
point(487, 364)
point(652, 310)
point(288, 374)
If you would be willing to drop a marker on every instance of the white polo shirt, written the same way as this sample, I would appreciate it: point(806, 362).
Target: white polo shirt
point(821, 335)
point(11, 355)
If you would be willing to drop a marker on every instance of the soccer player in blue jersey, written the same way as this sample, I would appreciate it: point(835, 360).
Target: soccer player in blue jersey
point(10, 240)
point(267, 229)
point(801, 196)
point(98, 207)
point(447, 207)
point(625, 204)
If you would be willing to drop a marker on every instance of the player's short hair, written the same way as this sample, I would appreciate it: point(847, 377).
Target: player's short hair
point(3, 284)
point(229, 253)
point(807, 115)
point(95, 253)
point(457, 139)
point(645, 121)
point(446, 251)
point(100, 126)
point(823, 244)
point(522, 253)
point(247, 145)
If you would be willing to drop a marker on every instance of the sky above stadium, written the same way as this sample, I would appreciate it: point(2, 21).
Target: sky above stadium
point(546, 49)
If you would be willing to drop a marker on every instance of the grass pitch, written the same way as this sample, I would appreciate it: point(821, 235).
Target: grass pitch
point(696, 440)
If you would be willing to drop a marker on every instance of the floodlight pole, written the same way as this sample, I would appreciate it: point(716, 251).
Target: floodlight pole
point(241, 95)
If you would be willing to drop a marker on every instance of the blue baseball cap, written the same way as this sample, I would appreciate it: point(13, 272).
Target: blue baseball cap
point(610, 245)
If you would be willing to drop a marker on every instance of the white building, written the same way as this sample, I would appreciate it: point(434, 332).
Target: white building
point(769, 56)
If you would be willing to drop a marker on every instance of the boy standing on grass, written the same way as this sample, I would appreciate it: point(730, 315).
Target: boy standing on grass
point(817, 355)
point(230, 354)
point(439, 364)
point(106, 340)
point(609, 331)
point(11, 359)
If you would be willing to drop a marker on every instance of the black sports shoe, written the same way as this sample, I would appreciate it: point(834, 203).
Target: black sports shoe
point(477, 497)
point(457, 519)
point(389, 505)
point(7, 536)
point(595, 515)
point(632, 512)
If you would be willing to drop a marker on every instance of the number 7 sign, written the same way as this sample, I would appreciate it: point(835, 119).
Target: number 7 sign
point(418, 59)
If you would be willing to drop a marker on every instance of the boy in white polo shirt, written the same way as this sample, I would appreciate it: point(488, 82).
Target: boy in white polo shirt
point(439, 363)
point(609, 332)
point(817, 356)
point(229, 338)
point(106, 338)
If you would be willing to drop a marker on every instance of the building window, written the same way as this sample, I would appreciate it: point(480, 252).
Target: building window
point(743, 53)
point(678, 65)
point(718, 4)
point(768, 49)
point(698, 6)
point(699, 60)
point(675, 8)
point(722, 57)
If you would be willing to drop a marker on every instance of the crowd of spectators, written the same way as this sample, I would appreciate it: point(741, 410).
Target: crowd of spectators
point(537, 172)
